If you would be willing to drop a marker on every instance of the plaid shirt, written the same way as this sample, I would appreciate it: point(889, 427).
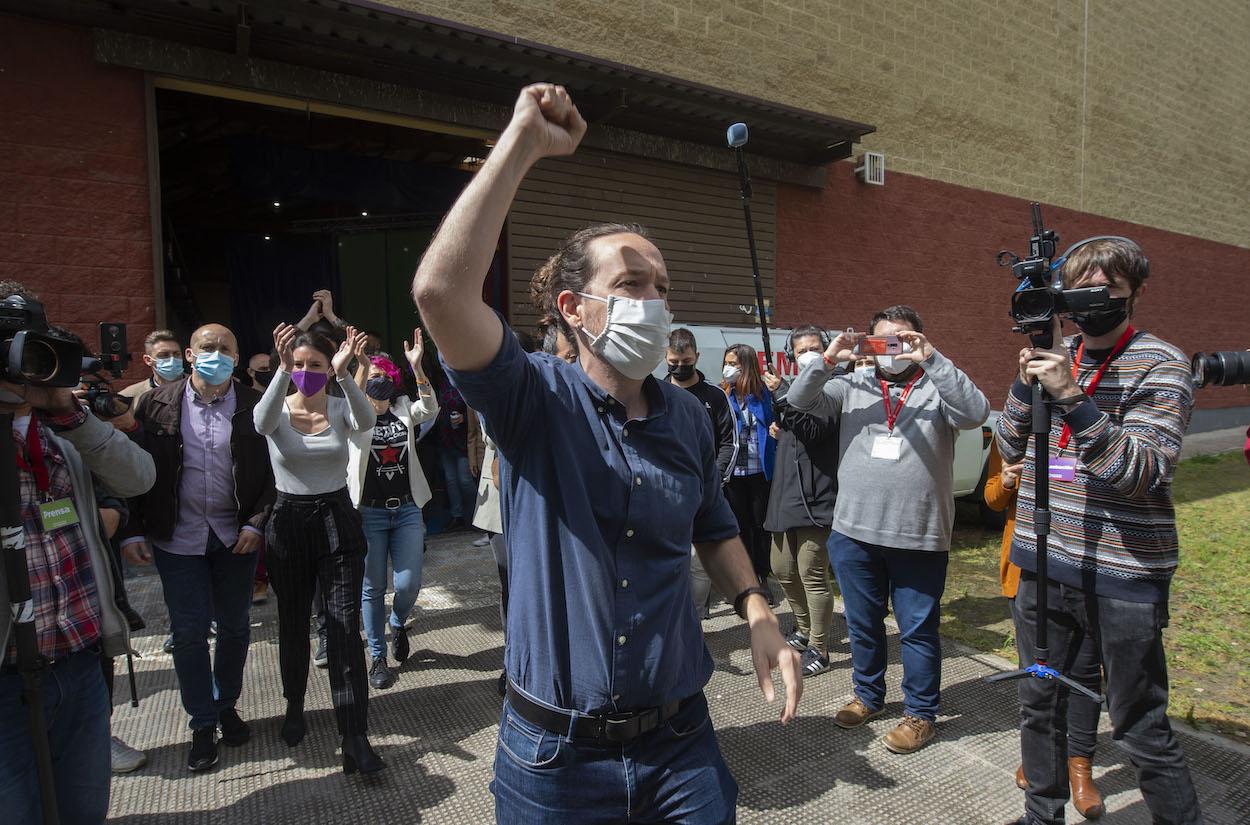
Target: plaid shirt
point(67, 608)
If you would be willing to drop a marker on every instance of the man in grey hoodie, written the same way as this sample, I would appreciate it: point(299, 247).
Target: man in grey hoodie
point(895, 507)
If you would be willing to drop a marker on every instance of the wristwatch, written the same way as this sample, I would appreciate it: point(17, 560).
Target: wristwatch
point(740, 601)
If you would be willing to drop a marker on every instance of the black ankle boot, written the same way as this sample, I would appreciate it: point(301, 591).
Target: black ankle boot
point(358, 755)
point(293, 724)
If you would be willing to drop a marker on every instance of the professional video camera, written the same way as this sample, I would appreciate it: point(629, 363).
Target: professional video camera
point(1040, 297)
point(1221, 368)
point(30, 353)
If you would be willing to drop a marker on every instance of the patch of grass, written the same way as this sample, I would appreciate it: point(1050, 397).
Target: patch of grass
point(1208, 641)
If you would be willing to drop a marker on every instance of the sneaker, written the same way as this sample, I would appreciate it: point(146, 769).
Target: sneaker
point(400, 645)
point(125, 758)
point(234, 731)
point(482, 542)
point(380, 676)
point(910, 735)
point(798, 641)
point(260, 592)
point(320, 657)
point(814, 662)
point(168, 645)
point(855, 714)
point(203, 754)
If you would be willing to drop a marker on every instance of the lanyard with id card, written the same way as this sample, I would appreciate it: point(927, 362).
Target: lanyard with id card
point(54, 514)
point(890, 447)
point(1061, 468)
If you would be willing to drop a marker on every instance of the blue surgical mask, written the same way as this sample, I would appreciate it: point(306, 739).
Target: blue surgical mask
point(169, 369)
point(215, 368)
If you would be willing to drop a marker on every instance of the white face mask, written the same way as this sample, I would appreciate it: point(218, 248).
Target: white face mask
point(866, 369)
point(805, 358)
point(892, 366)
point(731, 372)
point(635, 335)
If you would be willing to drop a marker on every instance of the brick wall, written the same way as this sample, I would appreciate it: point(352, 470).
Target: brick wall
point(849, 250)
point(990, 94)
point(73, 181)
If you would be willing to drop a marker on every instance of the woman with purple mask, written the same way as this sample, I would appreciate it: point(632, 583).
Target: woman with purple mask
point(315, 536)
point(387, 483)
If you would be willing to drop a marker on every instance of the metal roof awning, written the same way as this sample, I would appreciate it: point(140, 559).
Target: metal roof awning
point(371, 40)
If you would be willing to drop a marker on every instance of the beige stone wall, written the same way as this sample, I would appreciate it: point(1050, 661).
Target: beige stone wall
point(1153, 128)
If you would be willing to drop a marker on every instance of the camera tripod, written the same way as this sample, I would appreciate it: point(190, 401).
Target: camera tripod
point(30, 664)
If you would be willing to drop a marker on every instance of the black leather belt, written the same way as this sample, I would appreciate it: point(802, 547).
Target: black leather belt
point(393, 503)
point(609, 727)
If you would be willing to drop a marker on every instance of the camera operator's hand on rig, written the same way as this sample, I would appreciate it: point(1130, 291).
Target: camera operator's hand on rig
point(1051, 367)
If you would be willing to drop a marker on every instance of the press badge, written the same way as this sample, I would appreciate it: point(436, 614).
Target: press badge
point(887, 448)
point(57, 514)
point(1062, 469)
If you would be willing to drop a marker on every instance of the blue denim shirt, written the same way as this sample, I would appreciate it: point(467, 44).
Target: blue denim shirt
point(599, 512)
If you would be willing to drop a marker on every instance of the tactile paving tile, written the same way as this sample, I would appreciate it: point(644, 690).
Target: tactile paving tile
point(436, 730)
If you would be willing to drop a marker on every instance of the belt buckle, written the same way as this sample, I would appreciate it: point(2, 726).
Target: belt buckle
point(398, 503)
point(621, 727)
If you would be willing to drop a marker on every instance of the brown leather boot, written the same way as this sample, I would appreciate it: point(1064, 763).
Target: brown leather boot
point(1021, 782)
point(1085, 794)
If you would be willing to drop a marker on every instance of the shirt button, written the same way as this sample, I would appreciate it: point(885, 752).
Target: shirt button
point(638, 481)
point(625, 433)
point(600, 409)
point(629, 533)
point(624, 582)
point(620, 640)
point(616, 697)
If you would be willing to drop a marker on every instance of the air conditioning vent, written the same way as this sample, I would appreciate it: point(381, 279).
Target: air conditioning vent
point(872, 168)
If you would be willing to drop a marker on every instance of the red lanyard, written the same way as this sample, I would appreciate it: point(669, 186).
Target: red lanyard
point(36, 466)
point(891, 415)
point(1120, 346)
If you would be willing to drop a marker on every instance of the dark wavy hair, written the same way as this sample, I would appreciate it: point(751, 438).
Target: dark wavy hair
point(571, 268)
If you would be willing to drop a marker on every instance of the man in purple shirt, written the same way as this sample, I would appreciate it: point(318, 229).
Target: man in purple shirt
point(202, 523)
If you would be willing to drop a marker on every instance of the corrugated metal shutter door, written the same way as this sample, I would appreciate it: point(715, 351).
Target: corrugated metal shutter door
point(694, 216)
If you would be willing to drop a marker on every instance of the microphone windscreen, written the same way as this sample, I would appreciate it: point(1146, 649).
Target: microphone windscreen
point(736, 135)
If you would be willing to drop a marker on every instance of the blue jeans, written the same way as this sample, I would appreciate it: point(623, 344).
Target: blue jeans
point(76, 711)
point(675, 773)
point(913, 581)
point(198, 589)
point(461, 486)
point(1130, 638)
point(397, 535)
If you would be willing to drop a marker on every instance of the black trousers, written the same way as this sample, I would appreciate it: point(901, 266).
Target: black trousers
point(311, 542)
point(1129, 636)
point(748, 498)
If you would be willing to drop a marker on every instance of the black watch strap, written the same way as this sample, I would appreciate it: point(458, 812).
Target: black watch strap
point(740, 601)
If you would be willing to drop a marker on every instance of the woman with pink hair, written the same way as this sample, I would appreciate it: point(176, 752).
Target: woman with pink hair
point(389, 488)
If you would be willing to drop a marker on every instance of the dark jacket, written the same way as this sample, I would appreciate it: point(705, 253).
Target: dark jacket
point(717, 405)
point(159, 413)
point(805, 477)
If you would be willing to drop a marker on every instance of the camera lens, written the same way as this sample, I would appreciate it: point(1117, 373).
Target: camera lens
point(39, 363)
point(1032, 304)
point(1221, 369)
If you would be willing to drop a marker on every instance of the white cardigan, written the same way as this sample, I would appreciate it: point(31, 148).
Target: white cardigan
point(412, 413)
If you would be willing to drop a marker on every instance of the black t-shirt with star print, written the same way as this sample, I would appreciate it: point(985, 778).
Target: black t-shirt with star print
point(387, 476)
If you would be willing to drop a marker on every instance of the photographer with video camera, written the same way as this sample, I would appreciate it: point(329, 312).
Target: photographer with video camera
point(1120, 402)
point(62, 452)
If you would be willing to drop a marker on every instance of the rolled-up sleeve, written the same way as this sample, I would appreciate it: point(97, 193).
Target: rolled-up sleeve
point(506, 392)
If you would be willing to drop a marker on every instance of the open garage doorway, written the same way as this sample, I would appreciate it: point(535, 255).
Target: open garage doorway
point(266, 200)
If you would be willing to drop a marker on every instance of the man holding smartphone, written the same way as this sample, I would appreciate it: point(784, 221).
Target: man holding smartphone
point(895, 506)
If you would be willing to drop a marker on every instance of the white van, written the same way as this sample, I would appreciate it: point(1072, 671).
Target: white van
point(972, 449)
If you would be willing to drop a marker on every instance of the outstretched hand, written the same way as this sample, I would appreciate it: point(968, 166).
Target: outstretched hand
point(842, 348)
point(416, 350)
point(546, 118)
point(283, 343)
point(354, 342)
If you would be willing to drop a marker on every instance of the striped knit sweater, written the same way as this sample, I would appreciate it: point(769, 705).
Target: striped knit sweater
point(1113, 529)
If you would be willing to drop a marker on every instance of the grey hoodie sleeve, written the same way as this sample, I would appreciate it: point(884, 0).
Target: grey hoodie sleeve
point(812, 392)
point(963, 405)
point(122, 467)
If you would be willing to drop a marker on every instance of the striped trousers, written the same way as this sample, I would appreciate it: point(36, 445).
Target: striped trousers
point(318, 541)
